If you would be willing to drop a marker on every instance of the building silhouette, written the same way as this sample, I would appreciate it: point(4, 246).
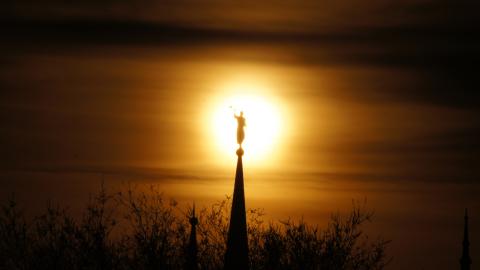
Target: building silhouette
point(191, 262)
point(236, 256)
point(465, 260)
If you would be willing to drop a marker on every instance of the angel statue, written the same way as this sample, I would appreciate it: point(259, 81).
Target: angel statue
point(240, 128)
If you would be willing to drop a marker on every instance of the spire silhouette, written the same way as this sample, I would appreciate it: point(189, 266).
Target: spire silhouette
point(236, 256)
point(191, 260)
point(465, 260)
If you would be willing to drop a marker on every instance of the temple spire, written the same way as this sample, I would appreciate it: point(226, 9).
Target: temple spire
point(236, 256)
point(191, 260)
point(465, 260)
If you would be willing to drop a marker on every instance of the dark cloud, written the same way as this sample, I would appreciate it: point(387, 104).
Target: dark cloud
point(434, 41)
point(450, 157)
point(157, 174)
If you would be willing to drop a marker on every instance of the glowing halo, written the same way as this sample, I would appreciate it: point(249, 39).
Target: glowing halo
point(262, 125)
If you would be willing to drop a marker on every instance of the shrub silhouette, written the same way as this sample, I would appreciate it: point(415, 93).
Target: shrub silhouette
point(141, 230)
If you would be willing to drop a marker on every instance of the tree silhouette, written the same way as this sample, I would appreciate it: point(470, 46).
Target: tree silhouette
point(142, 230)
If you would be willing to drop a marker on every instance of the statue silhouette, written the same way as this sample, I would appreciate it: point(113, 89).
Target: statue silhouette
point(240, 128)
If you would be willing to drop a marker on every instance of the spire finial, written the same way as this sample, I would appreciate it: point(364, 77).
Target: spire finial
point(193, 218)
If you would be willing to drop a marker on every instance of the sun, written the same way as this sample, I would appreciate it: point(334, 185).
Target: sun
point(263, 126)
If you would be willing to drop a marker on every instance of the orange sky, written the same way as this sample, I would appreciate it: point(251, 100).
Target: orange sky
point(377, 102)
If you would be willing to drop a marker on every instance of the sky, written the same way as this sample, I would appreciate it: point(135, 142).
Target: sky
point(375, 101)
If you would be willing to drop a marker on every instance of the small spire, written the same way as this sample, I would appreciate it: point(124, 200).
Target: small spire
point(193, 218)
point(465, 260)
point(191, 260)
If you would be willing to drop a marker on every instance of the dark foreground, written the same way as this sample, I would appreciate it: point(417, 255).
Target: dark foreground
point(141, 230)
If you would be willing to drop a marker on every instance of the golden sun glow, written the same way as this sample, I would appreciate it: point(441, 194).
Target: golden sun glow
point(263, 123)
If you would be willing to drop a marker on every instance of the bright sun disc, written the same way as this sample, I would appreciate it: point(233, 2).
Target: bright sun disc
point(261, 131)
